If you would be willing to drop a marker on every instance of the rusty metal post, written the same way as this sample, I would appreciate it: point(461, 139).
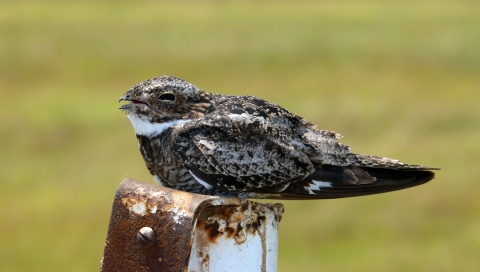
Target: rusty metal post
point(153, 228)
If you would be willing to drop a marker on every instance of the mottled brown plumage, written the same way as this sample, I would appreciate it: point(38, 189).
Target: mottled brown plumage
point(244, 146)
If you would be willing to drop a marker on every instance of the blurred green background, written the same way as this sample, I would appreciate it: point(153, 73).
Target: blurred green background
point(398, 78)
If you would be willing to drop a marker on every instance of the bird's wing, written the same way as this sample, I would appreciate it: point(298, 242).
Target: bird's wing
point(235, 153)
point(331, 181)
point(247, 149)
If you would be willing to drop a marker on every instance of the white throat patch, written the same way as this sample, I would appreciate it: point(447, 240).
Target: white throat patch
point(145, 128)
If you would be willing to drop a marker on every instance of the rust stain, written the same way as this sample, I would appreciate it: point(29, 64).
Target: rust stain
point(236, 221)
point(205, 259)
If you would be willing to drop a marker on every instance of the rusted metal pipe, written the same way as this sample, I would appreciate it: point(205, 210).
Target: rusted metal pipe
point(153, 228)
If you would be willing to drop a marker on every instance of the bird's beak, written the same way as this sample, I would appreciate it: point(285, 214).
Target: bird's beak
point(129, 96)
point(125, 97)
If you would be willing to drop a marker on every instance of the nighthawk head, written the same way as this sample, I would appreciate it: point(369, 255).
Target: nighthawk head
point(161, 102)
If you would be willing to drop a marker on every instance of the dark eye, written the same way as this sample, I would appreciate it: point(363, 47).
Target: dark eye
point(167, 96)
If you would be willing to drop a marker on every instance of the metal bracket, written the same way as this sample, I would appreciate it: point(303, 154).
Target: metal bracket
point(153, 228)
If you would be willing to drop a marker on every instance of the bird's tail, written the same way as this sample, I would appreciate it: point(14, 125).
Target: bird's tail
point(370, 175)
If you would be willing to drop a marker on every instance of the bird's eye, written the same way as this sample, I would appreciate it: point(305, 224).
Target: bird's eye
point(167, 96)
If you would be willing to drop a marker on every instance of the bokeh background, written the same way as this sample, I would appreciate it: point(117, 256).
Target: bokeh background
point(397, 78)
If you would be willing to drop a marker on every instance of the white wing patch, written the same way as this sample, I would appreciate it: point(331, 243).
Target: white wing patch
point(144, 127)
point(316, 185)
point(206, 185)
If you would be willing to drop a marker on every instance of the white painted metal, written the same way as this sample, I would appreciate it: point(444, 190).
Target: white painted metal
point(251, 247)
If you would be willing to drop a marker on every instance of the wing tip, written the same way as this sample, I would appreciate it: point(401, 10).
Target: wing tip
point(401, 179)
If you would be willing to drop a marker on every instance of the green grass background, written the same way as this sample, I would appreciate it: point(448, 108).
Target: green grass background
point(397, 78)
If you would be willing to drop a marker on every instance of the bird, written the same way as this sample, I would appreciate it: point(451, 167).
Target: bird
point(246, 147)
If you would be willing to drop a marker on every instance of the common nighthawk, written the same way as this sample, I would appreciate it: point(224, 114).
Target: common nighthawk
point(244, 146)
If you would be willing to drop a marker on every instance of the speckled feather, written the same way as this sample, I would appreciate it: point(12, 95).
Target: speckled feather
point(247, 147)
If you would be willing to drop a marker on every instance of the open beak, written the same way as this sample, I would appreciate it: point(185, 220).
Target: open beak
point(128, 97)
